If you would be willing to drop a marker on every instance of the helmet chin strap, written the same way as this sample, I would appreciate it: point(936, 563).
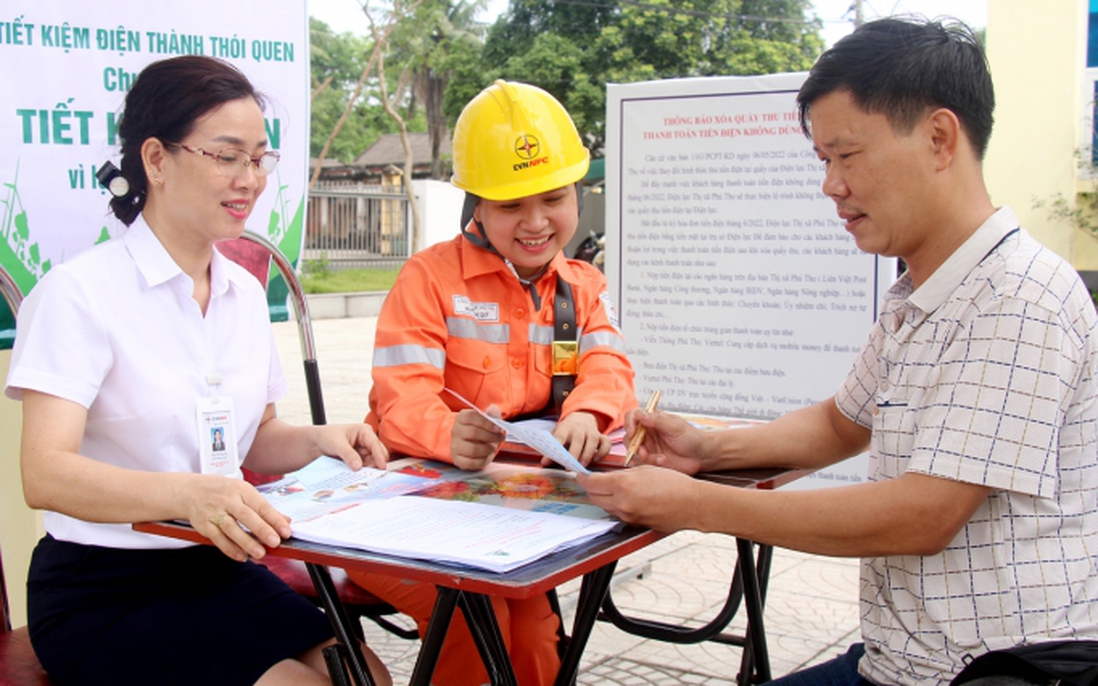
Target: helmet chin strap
point(479, 238)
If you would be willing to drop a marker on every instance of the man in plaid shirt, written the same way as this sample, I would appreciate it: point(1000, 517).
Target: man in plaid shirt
point(975, 395)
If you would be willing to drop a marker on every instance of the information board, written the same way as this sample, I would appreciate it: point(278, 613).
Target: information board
point(739, 291)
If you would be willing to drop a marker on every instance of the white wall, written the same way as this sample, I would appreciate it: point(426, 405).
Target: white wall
point(1038, 61)
point(439, 210)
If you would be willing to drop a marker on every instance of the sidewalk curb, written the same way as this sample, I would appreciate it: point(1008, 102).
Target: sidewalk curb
point(344, 305)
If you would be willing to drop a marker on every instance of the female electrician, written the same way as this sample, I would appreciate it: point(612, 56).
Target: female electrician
point(501, 317)
point(127, 358)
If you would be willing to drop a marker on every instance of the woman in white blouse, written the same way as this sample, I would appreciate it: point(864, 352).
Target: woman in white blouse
point(128, 359)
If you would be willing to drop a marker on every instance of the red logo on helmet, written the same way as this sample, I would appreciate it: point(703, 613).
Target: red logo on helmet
point(527, 147)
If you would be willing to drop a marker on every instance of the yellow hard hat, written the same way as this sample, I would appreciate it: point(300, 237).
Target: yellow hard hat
point(513, 140)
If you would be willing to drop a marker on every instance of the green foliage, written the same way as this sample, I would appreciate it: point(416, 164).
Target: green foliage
point(327, 280)
point(1082, 213)
point(440, 37)
point(571, 49)
point(343, 57)
point(319, 267)
point(574, 49)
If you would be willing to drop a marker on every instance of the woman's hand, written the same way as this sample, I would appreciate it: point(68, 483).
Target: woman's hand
point(240, 521)
point(474, 440)
point(579, 432)
point(356, 444)
point(233, 515)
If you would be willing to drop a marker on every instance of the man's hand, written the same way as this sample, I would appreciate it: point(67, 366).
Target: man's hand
point(670, 441)
point(474, 440)
point(656, 498)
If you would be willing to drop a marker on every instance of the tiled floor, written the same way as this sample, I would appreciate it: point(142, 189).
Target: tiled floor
point(812, 604)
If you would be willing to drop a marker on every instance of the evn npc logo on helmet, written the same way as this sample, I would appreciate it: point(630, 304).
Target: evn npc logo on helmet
point(527, 148)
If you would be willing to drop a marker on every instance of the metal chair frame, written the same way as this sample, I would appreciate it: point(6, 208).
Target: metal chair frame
point(749, 584)
point(16, 642)
point(11, 292)
point(345, 655)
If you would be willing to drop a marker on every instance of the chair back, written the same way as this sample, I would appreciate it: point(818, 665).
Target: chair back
point(4, 609)
point(12, 295)
point(356, 600)
point(9, 293)
point(19, 665)
point(236, 251)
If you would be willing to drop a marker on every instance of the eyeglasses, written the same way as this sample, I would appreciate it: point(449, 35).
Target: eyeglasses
point(234, 162)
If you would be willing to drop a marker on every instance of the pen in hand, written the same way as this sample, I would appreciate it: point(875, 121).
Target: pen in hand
point(638, 437)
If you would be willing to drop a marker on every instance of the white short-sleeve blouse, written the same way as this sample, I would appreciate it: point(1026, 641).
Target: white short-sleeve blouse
point(116, 329)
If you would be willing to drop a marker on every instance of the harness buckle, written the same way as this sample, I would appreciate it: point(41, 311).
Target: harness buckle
point(565, 358)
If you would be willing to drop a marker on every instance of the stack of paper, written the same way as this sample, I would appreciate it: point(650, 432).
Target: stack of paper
point(483, 536)
point(497, 519)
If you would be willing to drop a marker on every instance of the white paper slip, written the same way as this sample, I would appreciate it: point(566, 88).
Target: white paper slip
point(483, 536)
point(537, 438)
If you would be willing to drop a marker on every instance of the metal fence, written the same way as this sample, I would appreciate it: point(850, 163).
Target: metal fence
point(357, 226)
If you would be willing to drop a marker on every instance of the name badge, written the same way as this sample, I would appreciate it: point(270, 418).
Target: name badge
point(217, 437)
point(482, 312)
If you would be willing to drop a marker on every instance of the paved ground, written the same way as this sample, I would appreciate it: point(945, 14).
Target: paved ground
point(811, 611)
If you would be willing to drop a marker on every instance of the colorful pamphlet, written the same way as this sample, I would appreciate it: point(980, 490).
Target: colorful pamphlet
point(499, 518)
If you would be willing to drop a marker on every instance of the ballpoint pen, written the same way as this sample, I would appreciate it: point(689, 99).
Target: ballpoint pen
point(638, 437)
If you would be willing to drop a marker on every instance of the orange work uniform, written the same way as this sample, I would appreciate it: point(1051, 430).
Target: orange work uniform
point(458, 317)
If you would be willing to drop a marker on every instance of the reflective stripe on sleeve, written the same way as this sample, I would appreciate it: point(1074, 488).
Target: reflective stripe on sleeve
point(592, 340)
point(397, 355)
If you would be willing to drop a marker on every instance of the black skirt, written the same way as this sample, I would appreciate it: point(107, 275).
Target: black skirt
point(188, 616)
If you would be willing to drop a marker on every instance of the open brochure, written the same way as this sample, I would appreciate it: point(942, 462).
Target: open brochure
point(497, 519)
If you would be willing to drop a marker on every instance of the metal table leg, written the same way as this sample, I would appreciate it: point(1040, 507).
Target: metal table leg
point(341, 625)
point(443, 613)
point(748, 584)
point(592, 592)
point(756, 650)
point(482, 622)
point(336, 661)
point(675, 633)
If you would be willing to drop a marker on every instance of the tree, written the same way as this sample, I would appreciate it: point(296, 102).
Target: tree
point(438, 37)
point(338, 61)
point(573, 48)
